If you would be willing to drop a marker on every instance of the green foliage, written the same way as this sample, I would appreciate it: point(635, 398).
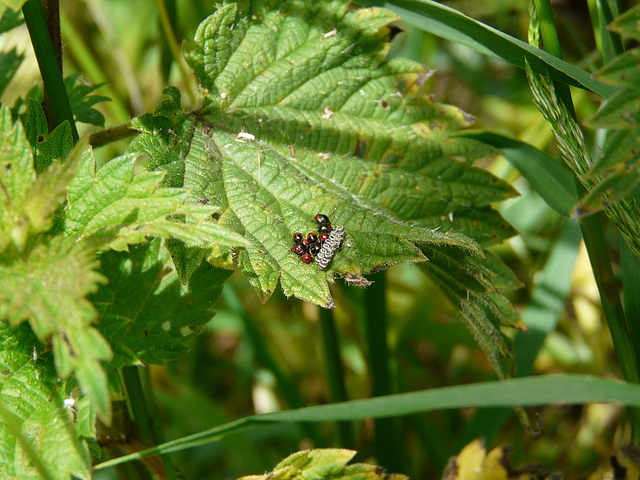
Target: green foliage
point(15, 5)
point(9, 20)
point(9, 64)
point(81, 98)
point(33, 395)
point(146, 313)
point(302, 114)
point(610, 180)
point(302, 111)
point(47, 147)
point(113, 208)
point(321, 464)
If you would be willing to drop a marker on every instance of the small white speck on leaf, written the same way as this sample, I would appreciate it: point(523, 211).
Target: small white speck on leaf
point(332, 33)
point(327, 113)
point(245, 137)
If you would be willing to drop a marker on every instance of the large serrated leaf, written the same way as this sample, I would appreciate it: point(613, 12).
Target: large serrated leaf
point(113, 208)
point(303, 115)
point(32, 393)
point(146, 313)
point(47, 286)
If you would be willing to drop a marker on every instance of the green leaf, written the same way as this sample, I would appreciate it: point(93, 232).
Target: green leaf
point(470, 286)
point(303, 115)
point(10, 20)
point(9, 64)
point(82, 102)
point(621, 110)
point(324, 464)
point(47, 147)
point(32, 399)
point(530, 391)
point(145, 312)
point(622, 71)
point(452, 25)
point(627, 23)
point(28, 202)
point(549, 178)
point(47, 286)
point(114, 207)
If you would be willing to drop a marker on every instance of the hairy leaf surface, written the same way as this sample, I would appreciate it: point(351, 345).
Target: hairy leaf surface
point(303, 115)
point(31, 392)
point(114, 208)
point(146, 313)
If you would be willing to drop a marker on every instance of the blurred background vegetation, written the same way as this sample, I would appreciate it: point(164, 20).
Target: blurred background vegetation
point(230, 370)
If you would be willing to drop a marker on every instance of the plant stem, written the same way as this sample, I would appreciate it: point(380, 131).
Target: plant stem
point(265, 358)
point(110, 135)
point(608, 288)
point(610, 42)
point(145, 412)
point(335, 371)
point(49, 69)
point(386, 441)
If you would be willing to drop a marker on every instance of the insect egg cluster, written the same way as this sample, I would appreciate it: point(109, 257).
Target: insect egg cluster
point(321, 246)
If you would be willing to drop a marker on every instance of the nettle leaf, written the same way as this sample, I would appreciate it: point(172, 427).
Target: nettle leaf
point(29, 202)
point(47, 147)
point(145, 311)
point(32, 394)
point(113, 207)
point(303, 116)
point(324, 463)
point(47, 286)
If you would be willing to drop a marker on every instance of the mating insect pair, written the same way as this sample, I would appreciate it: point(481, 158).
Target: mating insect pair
point(324, 245)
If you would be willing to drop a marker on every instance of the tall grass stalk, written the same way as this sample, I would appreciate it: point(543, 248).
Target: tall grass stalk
point(386, 442)
point(335, 371)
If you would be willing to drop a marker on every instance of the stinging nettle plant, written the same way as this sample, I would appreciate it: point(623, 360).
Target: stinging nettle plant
point(300, 113)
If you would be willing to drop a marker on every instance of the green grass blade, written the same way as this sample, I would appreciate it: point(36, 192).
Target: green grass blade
point(452, 25)
point(610, 41)
point(630, 276)
point(558, 389)
point(549, 178)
